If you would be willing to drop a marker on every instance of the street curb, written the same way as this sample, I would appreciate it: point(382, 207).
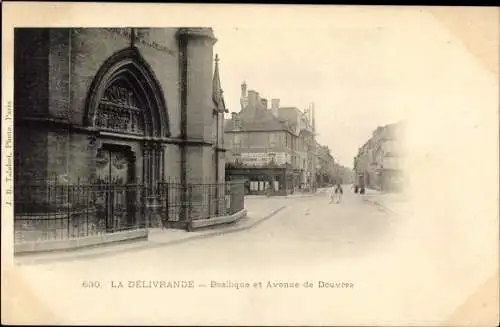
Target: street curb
point(214, 233)
point(254, 197)
point(149, 244)
point(375, 202)
point(299, 196)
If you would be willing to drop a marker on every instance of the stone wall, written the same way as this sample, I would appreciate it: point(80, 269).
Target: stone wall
point(31, 73)
point(60, 73)
point(172, 153)
point(90, 48)
point(30, 154)
point(160, 49)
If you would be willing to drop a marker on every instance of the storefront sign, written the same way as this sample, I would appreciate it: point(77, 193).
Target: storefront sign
point(264, 158)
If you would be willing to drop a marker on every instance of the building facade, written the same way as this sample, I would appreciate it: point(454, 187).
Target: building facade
point(270, 146)
point(325, 166)
point(304, 151)
point(120, 105)
point(379, 163)
point(343, 175)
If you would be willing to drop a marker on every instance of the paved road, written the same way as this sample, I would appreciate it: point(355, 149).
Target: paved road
point(384, 275)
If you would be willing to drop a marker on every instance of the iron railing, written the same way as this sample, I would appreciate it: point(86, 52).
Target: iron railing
point(52, 211)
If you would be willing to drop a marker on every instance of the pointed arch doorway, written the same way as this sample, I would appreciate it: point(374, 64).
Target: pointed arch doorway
point(127, 113)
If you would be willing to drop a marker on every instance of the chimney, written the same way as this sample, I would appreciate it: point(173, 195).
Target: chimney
point(275, 104)
point(253, 98)
point(244, 89)
point(264, 103)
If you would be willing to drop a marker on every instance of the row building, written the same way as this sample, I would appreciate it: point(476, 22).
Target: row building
point(379, 162)
point(271, 146)
point(325, 166)
point(343, 174)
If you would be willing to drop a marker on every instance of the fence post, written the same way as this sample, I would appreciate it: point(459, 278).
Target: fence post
point(68, 221)
point(146, 206)
point(137, 205)
point(242, 196)
point(166, 189)
point(190, 207)
point(209, 200)
point(231, 197)
point(87, 191)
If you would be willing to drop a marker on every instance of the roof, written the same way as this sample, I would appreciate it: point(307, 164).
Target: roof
point(259, 120)
point(262, 119)
point(294, 115)
point(263, 124)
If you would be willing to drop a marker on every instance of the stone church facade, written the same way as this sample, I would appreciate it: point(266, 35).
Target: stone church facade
point(127, 105)
point(144, 95)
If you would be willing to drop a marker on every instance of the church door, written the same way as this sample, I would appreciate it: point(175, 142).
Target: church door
point(115, 177)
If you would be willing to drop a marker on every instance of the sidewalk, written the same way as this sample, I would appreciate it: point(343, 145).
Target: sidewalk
point(393, 202)
point(258, 211)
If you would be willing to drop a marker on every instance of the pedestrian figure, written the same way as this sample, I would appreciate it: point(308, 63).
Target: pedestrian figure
point(331, 193)
point(356, 189)
point(362, 191)
point(267, 189)
point(338, 193)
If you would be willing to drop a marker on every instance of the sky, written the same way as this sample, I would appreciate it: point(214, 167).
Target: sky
point(362, 68)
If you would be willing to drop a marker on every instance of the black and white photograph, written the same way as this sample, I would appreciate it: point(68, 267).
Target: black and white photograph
point(240, 165)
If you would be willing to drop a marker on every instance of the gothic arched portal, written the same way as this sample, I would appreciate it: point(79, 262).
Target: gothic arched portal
point(126, 84)
point(126, 100)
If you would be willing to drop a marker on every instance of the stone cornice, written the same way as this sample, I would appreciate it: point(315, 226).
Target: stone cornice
point(49, 123)
point(197, 32)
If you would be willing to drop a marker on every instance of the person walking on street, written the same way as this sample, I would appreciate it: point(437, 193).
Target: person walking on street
point(362, 189)
point(338, 193)
point(331, 193)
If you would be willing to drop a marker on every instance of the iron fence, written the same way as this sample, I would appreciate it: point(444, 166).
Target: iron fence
point(52, 211)
point(200, 200)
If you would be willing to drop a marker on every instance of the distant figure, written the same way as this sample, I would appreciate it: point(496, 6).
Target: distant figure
point(362, 190)
point(331, 193)
point(356, 189)
point(338, 193)
point(268, 189)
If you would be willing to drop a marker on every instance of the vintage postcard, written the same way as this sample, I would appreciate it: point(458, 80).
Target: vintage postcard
point(249, 165)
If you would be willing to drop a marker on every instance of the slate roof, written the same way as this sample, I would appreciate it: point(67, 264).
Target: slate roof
point(259, 121)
